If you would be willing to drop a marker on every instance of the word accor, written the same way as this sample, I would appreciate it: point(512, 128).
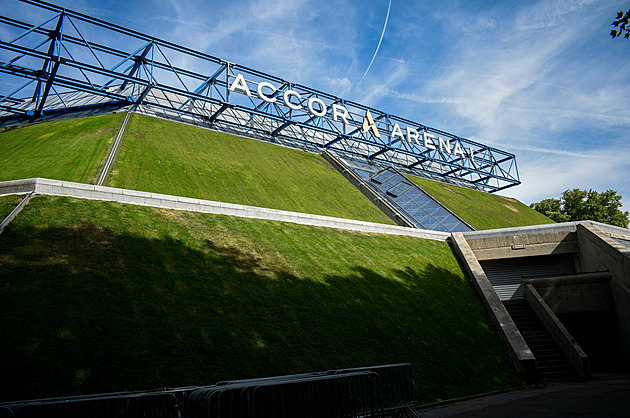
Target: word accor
point(314, 105)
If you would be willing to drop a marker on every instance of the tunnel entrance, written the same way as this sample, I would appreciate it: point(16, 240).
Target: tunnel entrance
point(595, 333)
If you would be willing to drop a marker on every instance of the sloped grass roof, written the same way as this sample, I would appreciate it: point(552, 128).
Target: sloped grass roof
point(482, 210)
point(71, 150)
point(172, 158)
point(101, 297)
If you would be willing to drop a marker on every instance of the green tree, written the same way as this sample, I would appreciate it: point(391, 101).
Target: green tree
point(622, 25)
point(551, 208)
point(581, 205)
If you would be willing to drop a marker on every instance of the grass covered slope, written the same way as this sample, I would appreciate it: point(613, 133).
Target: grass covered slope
point(72, 149)
point(7, 204)
point(167, 157)
point(102, 297)
point(482, 210)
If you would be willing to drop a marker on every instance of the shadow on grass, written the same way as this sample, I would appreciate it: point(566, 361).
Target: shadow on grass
point(86, 310)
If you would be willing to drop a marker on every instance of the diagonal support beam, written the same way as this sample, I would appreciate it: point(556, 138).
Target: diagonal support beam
point(139, 60)
point(216, 114)
point(281, 127)
point(44, 96)
point(377, 153)
point(53, 38)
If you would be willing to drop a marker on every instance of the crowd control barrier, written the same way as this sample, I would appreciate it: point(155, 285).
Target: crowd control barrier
point(378, 391)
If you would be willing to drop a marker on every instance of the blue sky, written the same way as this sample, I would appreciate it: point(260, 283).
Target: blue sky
point(540, 79)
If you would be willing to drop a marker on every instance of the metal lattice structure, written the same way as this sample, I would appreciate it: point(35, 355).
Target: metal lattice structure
point(71, 62)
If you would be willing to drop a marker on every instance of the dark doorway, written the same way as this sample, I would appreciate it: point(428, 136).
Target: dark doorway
point(595, 333)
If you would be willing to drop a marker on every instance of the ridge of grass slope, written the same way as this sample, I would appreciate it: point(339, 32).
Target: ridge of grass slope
point(71, 149)
point(101, 296)
point(163, 156)
point(479, 209)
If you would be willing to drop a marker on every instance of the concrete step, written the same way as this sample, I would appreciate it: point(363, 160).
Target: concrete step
point(551, 364)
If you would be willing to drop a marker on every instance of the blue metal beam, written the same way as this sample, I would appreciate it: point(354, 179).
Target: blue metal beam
point(138, 61)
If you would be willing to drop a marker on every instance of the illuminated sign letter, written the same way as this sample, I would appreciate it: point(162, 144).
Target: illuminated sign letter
point(369, 124)
point(321, 104)
point(241, 85)
point(397, 132)
point(458, 149)
point(412, 135)
point(340, 112)
point(443, 144)
point(287, 99)
point(269, 99)
point(428, 140)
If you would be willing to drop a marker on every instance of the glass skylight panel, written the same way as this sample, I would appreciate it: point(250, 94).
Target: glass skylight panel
point(412, 202)
point(399, 189)
point(382, 177)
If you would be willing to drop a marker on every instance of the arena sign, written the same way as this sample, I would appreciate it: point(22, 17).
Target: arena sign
point(339, 113)
point(70, 62)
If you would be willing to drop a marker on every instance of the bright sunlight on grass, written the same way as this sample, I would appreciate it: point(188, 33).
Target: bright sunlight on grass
point(167, 157)
point(71, 149)
point(482, 210)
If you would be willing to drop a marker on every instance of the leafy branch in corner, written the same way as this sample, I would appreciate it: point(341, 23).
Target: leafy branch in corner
point(622, 25)
point(582, 205)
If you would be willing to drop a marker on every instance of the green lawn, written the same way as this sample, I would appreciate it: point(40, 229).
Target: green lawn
point(103, 297)
point(7, 204)
point(167, 157)
point(172, 158)
point(72, 149)
point(482, 210)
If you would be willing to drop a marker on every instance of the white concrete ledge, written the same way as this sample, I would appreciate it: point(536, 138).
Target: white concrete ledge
point(523, 230)
point(133, 197)
point(613, 231)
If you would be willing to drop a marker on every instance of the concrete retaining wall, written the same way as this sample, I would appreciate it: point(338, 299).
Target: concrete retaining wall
point(134, 197)
point(523, 242)
point(571, 349)
point(621, 296)
point(589, 292)
point(601, 252)
point(518, 349)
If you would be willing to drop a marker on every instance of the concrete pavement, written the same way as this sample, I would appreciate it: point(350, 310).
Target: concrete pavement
point(604, 396)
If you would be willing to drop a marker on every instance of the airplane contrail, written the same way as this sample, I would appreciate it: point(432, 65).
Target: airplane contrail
point(379, 41)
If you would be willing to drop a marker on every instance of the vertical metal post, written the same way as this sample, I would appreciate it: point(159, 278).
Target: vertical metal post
point(54, 37)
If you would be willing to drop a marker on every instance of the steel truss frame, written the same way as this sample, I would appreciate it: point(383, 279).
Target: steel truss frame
point(59, 66)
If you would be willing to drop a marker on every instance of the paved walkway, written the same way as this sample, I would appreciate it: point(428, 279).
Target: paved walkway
point(604, 396)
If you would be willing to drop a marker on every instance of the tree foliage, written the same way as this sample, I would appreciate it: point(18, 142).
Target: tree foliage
point(622, 25)
point(580, 205)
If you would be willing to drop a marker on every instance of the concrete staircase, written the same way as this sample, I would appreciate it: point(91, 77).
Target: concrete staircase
point(551, 363)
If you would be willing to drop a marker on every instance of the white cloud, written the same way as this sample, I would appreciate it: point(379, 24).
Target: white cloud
point(341, 86)
point(539, 84)
point(547, 174)
point(374, 88)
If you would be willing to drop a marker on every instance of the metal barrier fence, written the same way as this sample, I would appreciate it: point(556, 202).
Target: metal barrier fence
point(398, 388)
point(360, 392)
point(128, 405)
point(348, 395)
